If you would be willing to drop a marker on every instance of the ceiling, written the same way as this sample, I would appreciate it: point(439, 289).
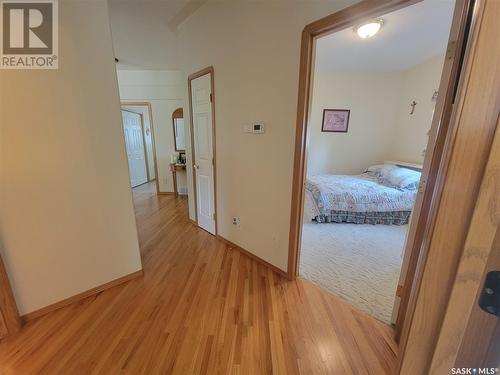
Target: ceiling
point(408, 37)
point(144, 31)
point(144, 36)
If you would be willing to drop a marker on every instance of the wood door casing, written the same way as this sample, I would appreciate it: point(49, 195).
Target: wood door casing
point(461, 343)
point(433, 173)
point(432, 176)
point(135, 147)
point(340, 20)
point(483, 329)
point(149, 114)
point(474, 118)
point(10, 322)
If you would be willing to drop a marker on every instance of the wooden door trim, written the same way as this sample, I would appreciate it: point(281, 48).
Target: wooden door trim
point(153, 143)
point(483, 233)
point(474, 120)
point(201, 73)
point(434, 168)
point(11, 321)
point(434, 172)
point(345, 18)
point(143, 136)
point(342, 19)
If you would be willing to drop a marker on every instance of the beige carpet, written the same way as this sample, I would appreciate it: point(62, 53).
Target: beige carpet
point(358, 263)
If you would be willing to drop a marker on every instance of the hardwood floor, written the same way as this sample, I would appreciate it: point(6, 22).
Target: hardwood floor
point(200, 308)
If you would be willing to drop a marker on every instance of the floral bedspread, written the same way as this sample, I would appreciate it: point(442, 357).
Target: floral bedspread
point(359, 199)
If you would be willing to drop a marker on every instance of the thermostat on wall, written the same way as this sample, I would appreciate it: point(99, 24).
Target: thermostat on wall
point(257, 128)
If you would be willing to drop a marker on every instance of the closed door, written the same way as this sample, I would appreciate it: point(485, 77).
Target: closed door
point(134, 143)
point(203, 166)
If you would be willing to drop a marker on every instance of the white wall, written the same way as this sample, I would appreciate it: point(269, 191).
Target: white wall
point(67, 219)
point(373, 98)
point(164, 90)
point(418, 83)
point(143, 38)
point(254, 48)
point(380, 127)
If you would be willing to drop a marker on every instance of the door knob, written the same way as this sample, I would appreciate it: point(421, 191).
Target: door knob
point(196, 166)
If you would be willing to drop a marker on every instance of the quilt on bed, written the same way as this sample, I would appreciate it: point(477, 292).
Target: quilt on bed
point(359, 199)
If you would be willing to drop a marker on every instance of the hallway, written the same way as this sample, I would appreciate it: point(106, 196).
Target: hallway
point(201, 307)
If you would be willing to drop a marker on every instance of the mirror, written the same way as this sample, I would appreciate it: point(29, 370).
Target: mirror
point(179, 133)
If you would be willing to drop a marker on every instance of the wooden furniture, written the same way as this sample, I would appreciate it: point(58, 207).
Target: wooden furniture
point(174, 167)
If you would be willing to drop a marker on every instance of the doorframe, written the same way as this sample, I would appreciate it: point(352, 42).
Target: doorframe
point(440, 140)
point(143, 145)
point(10, 320)
point(349, 17)
point(427, 332)
point(198, 74)
point(153, 143)
point(481, 247)
point(437, 156)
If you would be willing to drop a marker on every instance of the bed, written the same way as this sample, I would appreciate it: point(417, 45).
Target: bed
point(383, 194)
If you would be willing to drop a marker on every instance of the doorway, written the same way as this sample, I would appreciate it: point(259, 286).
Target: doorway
point(148, 135)
point(371, 111)
point(202, 126)
point(426, 191)
point(10, 321)
point(135, 144)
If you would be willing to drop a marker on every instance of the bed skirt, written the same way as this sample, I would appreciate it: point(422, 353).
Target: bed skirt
point(377, 217)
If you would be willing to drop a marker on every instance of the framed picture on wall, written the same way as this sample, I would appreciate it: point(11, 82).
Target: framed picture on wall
point(335, 120)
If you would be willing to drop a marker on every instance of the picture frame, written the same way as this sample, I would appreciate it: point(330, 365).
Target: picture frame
point(335, 120)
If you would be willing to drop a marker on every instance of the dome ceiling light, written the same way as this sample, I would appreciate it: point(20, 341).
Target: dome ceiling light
point(369, 29)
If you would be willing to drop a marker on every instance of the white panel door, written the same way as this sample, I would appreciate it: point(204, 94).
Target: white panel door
point(203, 151)
point(134, 143)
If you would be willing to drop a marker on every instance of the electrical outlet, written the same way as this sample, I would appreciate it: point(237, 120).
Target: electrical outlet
point(236, 221)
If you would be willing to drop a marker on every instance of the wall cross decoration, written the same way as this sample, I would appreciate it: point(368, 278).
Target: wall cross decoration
point(413, 104)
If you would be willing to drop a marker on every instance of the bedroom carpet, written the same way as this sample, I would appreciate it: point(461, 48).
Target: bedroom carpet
point(359, 263)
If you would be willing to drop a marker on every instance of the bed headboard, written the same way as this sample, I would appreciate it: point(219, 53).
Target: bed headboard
point(404, 164)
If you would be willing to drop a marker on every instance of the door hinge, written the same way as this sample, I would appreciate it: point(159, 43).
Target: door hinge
point(211, 98)
point(421, 186)
point(489, 300)
point(450, 49)
point(214, 215)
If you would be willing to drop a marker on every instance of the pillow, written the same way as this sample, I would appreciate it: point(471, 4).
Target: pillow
point(379, 169)
point(400, 178)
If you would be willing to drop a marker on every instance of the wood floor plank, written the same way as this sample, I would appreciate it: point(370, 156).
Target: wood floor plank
point(200, 308)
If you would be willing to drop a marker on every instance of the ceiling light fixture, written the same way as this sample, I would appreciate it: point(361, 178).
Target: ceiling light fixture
point(369, 29)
